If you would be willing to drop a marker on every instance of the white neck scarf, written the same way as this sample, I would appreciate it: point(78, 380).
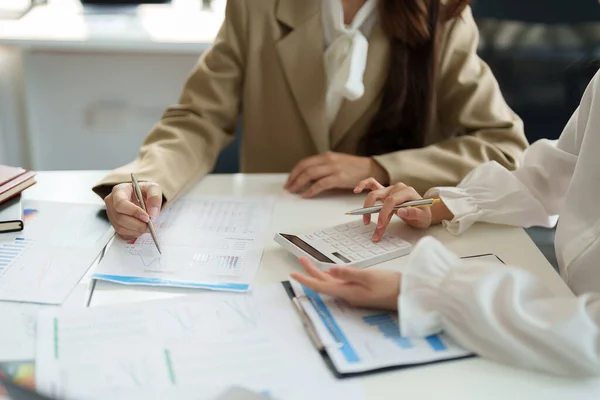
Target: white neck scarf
point(346, 48)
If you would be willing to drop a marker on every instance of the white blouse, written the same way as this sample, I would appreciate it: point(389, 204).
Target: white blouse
point(346, 51)
point(502, 313)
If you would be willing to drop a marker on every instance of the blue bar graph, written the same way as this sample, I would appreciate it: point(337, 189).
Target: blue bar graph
point(387, 325)
point(9, 251)
point(436, 343)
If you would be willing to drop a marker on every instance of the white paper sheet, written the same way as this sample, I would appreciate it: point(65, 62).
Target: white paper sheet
point(189, 347)
point(44, 262)
point(17, 331)
point(207, 242)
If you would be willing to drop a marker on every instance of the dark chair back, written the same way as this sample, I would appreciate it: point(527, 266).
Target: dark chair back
point(549, 12)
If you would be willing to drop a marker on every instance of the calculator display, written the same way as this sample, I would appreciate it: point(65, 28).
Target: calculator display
point(295, 240)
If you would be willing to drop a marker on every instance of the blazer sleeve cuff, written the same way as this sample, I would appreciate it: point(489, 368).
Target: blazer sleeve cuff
point(123, 174)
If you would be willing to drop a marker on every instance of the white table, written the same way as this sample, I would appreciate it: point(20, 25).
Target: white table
point(71, 79)
point(465, 379)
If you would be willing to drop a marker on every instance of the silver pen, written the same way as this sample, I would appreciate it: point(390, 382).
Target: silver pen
point(140, 199)
point(308, 325)
point(376, 209)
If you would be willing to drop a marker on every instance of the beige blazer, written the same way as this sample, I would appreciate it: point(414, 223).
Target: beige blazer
point(266, 65)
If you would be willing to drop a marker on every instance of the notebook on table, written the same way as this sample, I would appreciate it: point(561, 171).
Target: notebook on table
point(14, 180)
point(11, 215)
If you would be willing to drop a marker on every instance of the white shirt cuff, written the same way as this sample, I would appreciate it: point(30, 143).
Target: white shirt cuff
point(461, 204)
point(421, 285)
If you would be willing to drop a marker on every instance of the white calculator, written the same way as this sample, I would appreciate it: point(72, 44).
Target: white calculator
point(348, 244)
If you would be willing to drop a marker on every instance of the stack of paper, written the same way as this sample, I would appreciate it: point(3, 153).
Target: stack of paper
point(41, 265)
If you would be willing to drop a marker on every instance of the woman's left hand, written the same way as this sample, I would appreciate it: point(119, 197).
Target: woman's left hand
point(332, 171)
point(360, 288)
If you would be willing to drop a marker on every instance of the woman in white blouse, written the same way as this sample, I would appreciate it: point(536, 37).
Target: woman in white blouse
point(500, 313)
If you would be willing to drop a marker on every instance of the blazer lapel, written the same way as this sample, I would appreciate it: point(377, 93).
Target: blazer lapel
point(301, 56)
point(374, 78)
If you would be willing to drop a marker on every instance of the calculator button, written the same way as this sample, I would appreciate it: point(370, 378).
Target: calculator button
point(388, 246)
point(337, 236)
point(346, 242)
point(341, 228)
point(352, 234)
point(312, 237)
point(319, 234)
point(355, 224)
point(330, 231)
point(397, 241)
point(369, 246)
point(363, 241)
point(356, 248)
point(335, 245)
point(377, 251)
point(327, 239)
point(365, 229)
point(352, 257)
point(365, 254)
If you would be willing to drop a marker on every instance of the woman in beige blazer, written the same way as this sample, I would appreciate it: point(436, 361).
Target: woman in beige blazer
point(331, 91)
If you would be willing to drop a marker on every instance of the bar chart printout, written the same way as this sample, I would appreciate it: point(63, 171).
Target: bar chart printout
point(360, 340)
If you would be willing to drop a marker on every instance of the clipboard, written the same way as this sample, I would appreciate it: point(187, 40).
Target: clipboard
point(323, 349)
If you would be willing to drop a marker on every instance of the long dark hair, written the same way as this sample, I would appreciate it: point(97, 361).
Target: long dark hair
point(405, 113)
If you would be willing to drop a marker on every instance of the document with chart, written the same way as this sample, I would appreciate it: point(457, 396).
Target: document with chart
point(188, 347)
point(360, 340)
point(45, 261)
point(207, 242)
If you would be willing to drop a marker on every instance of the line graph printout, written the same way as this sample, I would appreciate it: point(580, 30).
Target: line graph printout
point(190, 347)
point(45, 261)
point(207, 242)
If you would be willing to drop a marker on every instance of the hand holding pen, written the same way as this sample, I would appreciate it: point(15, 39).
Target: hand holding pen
point(399, 199)
point(127, 217)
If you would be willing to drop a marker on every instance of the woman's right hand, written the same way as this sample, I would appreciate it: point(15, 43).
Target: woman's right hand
point(391, 196)
point(126, 216)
